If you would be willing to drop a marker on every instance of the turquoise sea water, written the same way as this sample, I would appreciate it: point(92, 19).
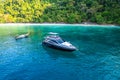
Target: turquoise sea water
point(98, 57)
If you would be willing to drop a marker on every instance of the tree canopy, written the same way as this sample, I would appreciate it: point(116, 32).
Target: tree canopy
point(67, 11)
point(22, 10)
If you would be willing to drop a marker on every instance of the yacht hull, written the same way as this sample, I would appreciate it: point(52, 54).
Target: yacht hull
point(58, 47)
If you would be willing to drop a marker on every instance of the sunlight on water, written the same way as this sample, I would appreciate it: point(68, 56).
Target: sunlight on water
point(98, 57)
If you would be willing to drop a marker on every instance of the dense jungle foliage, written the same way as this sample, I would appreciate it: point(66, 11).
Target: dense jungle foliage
point(56, 11)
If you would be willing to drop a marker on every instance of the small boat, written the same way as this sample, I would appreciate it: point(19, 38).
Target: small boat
point(56, 42)
point(22, 36)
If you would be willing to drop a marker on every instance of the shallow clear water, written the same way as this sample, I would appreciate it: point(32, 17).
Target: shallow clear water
point(98, 57)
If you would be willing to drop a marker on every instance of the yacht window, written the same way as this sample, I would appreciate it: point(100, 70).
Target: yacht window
point(60, 41)
point(54, 41)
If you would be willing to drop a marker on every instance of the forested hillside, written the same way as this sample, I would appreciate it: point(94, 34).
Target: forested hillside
point(66, 11)
point(22, 10)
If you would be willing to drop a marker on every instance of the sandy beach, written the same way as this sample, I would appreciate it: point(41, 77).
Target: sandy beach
point(50, 24)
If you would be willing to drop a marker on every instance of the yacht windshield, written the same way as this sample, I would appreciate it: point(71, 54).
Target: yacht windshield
point(60, 41)
point(56, 39)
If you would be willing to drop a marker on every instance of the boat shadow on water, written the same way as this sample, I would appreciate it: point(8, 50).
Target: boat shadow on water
point(54, 53)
